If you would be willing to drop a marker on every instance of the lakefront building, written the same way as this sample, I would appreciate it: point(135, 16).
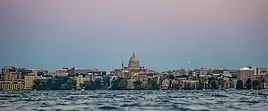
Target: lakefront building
point(81, 79)
point(11, 79)
point(244, 74)
point(132, 70)
point(29, 80)
point(260, 71)
point(11, 85)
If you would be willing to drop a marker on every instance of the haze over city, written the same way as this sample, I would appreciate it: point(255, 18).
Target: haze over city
point(164, 34)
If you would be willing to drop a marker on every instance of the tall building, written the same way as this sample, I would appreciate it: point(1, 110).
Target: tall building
point(260, 71)
point(29, 80)
point(244, 74)
point(11, 79)
point(9, 73)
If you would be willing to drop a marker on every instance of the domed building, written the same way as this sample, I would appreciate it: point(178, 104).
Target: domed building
point(134, 72)
point(134, 62)
point(133, 69)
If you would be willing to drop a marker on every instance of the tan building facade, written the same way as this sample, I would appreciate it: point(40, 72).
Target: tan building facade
point(11, 85)
point(10, 73)
point(80, 80)
point(11, 79)
point(29, 81)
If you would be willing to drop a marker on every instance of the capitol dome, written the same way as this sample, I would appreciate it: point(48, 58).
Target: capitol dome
point(133, 61)
point(134, 58)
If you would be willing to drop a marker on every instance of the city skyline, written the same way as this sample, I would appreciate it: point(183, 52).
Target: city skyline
point(127, 64)
point(164, 34)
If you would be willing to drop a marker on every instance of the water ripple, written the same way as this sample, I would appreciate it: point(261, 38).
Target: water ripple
point(133, 100)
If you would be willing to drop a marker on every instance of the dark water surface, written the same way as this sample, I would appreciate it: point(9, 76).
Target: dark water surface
point(134, 100)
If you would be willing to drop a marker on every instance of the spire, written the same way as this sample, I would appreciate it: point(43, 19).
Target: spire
point(134, 54)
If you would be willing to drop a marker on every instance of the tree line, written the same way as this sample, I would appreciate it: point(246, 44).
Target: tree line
point(67, 83)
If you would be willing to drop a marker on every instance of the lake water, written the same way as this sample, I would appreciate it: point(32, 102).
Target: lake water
point(134, 100)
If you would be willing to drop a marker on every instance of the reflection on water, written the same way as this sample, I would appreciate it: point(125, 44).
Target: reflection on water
point(134, 100)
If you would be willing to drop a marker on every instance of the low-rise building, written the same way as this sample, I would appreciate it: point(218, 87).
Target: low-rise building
point(11, 85)
point(61, 72)
point(29, 80)
point(260, 71)
point(11, 79)
point(244, 74)
point(80, 79)
point(177, 73)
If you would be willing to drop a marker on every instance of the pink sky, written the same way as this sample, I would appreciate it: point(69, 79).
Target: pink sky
point(191, 27)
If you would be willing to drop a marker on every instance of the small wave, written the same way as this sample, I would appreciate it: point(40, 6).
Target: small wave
point(3, 98)
point(175, 107)
point(2, 106)
point(62, 104)
point(232, 106)
point(108, 108)
point(29, 99)
point(165, 101)
point(263, 94)
point(221, 102)
point(93, 96)
point(109, 96)
point(36, 109)
point(69, 98)
point(8, 95)
point(129, 105)
point(45, 105)
point(253, 102)
point(219, 95)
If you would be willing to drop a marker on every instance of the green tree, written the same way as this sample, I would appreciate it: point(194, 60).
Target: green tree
point(107, 81)
point(186, 86)
point(68, 85)
point(40, 85)
point(239, 84)
point(88, 85)
point(176, 86)
point(137, 84)
point(202, 83)
point(221, 83)
point(214, 84)
point(114, 84)
point(57, 82)
point(37, 84)
point(40, 73)
point(122, 84)
point(262, 83)
point(171, 76)
point(256, 84)
point(153, 84)
point(97, 84)
point(249, 84)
